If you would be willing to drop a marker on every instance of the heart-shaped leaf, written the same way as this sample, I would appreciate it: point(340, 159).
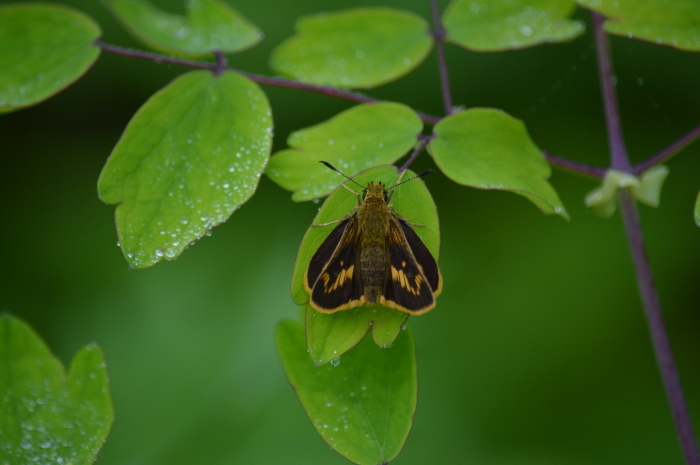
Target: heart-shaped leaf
point(366, 135)
point(362, 404)
point(488, 26)
point(672, 23)
point(488, 149)
point(46, 416)
point(43, 49)
point(358, 48)
point(331, 335)
point(210, 25)
point(191, 155)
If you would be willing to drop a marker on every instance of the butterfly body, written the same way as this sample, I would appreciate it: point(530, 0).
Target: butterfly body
point(373, 221)
point(373, 257)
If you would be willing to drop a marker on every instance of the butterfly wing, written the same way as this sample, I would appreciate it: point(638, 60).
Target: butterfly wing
point(425, 259)
point(413, 279)
point(333, 278)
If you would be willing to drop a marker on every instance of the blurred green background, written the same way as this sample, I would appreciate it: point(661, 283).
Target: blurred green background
point(537, 352)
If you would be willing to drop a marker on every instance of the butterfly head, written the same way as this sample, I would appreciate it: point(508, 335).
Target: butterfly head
point(375, 190)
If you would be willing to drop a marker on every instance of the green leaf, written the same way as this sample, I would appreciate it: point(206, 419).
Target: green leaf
point(43, 49)
point(332, 335)
point(697, 210)
point(488, 149)
point(646, 189)
point(363, 406)
point(329, 336)
point(357, 48)
point(488, 26)
point(672, 23)
point(210, 25)
point(366, 135)
point(191, 155)
point(47, 417)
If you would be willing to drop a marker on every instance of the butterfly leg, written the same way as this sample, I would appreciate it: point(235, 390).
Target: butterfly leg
point(328, 224)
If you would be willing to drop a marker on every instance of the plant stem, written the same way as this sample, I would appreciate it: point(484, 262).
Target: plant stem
point(594, 172)
point(561, 162)
point(265, 80)
point(685, 140)
point(657, 329)
point(618, 152)
point(439, 35)
point(221, 63)
point(154, 57)
point(635, 237)
point(424, 141)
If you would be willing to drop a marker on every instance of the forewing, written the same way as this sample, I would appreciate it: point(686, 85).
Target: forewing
point(324, 254)
point(333, 278)
point(406, 288)
point(424, 258)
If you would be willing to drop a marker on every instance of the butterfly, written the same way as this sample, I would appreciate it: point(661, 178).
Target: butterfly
point(373, 257)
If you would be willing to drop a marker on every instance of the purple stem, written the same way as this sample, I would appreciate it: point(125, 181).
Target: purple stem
point(265, 80)
point(154, 57)
point(618, 153)
point(668, 152)
point(221, 62)
point(657, 329)
point(561, 162)
point(439, 35)
point(424, 141)
point(583, 169)
point(635, 237)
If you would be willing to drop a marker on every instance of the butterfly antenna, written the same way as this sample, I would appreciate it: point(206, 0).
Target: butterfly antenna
point(341, 173)
point(411, 179)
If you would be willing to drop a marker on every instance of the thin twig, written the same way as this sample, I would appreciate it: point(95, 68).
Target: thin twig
point(590, 171)
point(685, 140)
point(618, 153)
point(155, 57)
point(260, 79)
point(439, 35)
point(561, 162)
point(424, 141)
point(635, 237)
point(221, 62)
point(657, 328)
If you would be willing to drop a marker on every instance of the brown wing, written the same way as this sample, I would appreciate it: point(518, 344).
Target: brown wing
point(424, 258)
point(333, 278)
point(409, 287)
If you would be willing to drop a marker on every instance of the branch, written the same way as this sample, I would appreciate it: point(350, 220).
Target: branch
point(685, 140)
point(657, 329)
point(618, 152)
point(154, 57)
point(424, 141)
point(590, 171)
point(265, 80)
point(439, 35)
point(561, 162)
